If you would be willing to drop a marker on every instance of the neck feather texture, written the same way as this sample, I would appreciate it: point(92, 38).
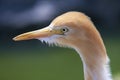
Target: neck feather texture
point(101, 72)
point(95, 68)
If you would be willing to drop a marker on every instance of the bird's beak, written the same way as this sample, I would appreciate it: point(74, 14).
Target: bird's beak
point(42, 33)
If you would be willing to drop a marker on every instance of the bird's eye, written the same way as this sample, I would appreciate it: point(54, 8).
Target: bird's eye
point(64, 30)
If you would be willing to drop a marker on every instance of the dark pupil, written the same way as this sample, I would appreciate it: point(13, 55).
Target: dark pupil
point(64, 30)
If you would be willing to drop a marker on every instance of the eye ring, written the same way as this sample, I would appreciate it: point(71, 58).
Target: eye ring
point(64, 29)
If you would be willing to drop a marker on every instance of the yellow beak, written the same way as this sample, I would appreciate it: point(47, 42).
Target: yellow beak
point(42, 33)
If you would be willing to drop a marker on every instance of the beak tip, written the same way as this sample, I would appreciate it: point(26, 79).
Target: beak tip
point(17, 38)
point(14, 39)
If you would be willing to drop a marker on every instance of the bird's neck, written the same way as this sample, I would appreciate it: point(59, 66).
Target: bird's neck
point(96, 67)
point(97, 73)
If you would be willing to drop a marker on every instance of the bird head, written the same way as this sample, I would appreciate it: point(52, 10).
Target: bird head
point(71, 29)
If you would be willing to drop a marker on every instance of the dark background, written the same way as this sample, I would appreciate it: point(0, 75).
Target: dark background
point(18, 16)
point(30, 60)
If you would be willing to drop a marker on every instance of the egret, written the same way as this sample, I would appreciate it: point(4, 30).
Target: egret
point(76, 30)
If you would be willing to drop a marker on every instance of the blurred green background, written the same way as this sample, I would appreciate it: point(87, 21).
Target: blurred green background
point(50, 63)
point(33, 60)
